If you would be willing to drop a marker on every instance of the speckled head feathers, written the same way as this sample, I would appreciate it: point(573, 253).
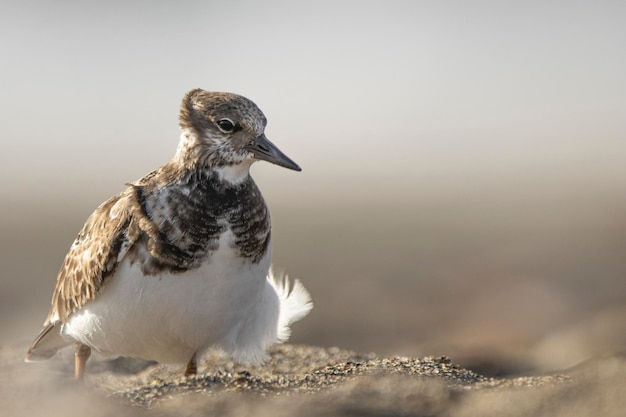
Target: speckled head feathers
point(221, 129)
point(202, 110)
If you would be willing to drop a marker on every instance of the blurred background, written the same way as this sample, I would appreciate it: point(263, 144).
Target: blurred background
point(464, 179)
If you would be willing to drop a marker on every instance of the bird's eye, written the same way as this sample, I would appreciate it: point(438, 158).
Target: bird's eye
point(226, 125)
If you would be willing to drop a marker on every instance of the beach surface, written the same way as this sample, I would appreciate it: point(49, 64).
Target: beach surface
point(306, 381)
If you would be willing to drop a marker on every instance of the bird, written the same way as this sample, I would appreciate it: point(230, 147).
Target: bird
point(179, 262)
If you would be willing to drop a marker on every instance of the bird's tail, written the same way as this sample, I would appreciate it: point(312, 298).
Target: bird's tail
point(295, 302)
point(47, 343)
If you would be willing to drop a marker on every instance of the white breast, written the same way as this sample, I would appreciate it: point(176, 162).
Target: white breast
point(227, 302)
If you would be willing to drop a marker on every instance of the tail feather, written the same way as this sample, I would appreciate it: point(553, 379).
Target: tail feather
point(295, 302)
point(47, 343)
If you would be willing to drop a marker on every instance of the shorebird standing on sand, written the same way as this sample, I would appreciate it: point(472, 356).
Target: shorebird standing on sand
point(179, 261)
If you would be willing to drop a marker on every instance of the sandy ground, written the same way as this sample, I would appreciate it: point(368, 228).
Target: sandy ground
point(308, 381)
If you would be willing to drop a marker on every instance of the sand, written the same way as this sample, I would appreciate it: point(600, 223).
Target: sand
point(299, 380)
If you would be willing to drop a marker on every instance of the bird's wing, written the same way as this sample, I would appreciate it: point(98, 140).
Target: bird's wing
point(101, 244)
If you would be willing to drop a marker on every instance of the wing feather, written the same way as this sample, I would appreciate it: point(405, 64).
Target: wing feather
point(101, 244)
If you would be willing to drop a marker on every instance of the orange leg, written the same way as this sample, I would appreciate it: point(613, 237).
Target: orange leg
point(80, 360)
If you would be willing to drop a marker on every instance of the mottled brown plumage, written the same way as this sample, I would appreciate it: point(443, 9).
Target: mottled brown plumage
point(93, 256)
point(130, 224)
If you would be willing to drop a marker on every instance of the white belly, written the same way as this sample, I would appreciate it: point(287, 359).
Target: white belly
point(227, 303)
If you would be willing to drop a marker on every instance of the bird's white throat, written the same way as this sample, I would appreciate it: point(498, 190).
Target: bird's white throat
point(234, 174)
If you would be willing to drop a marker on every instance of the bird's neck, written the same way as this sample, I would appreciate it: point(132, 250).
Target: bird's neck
point(191, 155)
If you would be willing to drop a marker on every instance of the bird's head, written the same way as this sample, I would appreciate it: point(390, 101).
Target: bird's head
point(224, 129)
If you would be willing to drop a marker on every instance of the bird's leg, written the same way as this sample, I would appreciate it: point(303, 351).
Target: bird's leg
point(192, 368)
point(80, 360)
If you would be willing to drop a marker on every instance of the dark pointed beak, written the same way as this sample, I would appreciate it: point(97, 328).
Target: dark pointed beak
point(263, 149)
